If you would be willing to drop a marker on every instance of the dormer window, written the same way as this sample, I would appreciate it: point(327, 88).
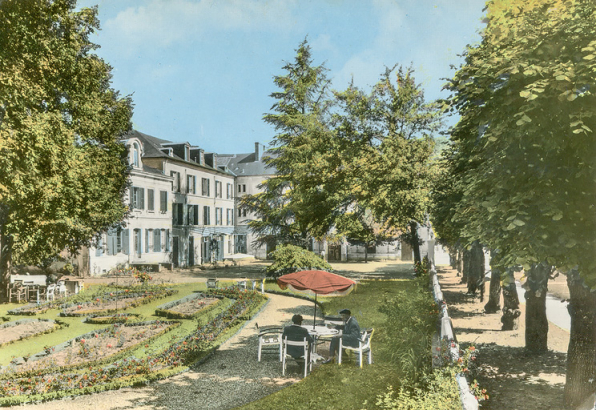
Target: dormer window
point(136, 154)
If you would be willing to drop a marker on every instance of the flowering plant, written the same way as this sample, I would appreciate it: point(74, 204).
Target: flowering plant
point(142, 276)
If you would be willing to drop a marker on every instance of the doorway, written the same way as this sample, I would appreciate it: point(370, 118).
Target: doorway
point(191, 251)
point(175, 260)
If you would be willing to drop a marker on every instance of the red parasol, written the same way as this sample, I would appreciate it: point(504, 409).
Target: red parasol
point(317, 282)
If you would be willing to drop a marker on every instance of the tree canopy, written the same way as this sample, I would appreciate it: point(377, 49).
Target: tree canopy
point(354, 163)
point(526, 134)
point(63, 171)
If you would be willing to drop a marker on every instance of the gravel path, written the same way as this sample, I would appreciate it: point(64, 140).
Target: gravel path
point(231, 377)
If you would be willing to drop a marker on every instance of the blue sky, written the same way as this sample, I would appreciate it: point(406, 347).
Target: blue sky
point(202, 70)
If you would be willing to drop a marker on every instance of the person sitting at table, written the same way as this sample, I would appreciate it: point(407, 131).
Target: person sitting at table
point(296, 333)
point(350, 336)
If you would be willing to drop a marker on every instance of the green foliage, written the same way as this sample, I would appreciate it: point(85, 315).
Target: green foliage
point(522, 159)
point(440, 392)
point(357, 162)
point(293, 203)
point(411, 321)
point(60, 129)
point(291, 258)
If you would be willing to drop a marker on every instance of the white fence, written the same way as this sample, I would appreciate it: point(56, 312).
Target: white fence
point(447, 338)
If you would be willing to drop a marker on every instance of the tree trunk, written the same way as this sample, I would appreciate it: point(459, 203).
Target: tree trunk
point(5, 259)
point(453, 258)
point(581, 355)
point(475, 279)
point(465, 265)
point(460, 262)
point(365, 253)
point(415, 241)
point(536, 321)
point(511, 311)
point(494, 294)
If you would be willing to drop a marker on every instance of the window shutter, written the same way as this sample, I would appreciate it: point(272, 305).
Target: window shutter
point(125, 241)
point(110, 238)
point(157, 240)
point(99, 250)
point(167, 240)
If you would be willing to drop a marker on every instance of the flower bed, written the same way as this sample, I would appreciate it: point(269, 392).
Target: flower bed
point(32, 309)
point(189, 306)
point(52, 383)
point(111, 319)
point(93, 348)
point(25, 328)
point(112, 302)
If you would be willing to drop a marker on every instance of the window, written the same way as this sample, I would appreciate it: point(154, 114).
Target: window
point(150, 200)
point(242, 188)
point(176, 181)
point(177, 214)
point(205, 187)
point(191, 186)
point(163, 201)
point(218, 216)
point(229, 191)
point(167, 239)
point(157, 240)
point(114, 241)
point(229, 217)
point(135, 155)
point(137, 199)
point(218, 189)
point(193, 214)
point(206, 215)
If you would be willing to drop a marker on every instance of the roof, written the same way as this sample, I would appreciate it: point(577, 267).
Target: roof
point(152, 148)
point(245, 164)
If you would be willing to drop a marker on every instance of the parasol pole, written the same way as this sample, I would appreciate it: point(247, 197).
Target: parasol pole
point(314, 318)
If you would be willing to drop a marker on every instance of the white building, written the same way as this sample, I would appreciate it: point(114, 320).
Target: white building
point(182, 209)
point(250, 171)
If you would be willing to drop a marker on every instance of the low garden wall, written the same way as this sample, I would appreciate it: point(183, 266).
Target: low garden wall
point(446, 343)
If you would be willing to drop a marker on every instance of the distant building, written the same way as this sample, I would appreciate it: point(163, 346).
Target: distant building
point(250, 171)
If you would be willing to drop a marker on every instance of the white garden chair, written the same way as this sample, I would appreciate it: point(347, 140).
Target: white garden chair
point(363, 346)
point(306, 357)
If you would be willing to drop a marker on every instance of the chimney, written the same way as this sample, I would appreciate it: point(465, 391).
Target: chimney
point(257, 153)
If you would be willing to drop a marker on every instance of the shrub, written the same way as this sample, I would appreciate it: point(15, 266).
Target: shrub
point(411, 319)
point(439, 392)
point(291, 258)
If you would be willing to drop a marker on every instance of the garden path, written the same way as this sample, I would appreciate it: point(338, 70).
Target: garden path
point(229, 378)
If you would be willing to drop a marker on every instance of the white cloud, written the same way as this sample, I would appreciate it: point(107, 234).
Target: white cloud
point(160, 23)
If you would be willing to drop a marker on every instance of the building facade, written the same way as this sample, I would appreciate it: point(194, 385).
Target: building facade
point(182, 209)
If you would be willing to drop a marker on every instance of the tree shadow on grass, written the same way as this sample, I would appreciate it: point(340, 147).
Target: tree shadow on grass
point(515, 379)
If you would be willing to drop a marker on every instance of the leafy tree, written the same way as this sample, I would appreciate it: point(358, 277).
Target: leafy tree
point(62, 168)
point(291, 258)
point(293, 204)
point(386, 141)
point(526, 99)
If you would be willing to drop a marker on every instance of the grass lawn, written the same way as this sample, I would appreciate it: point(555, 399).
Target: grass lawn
point(347, 386)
